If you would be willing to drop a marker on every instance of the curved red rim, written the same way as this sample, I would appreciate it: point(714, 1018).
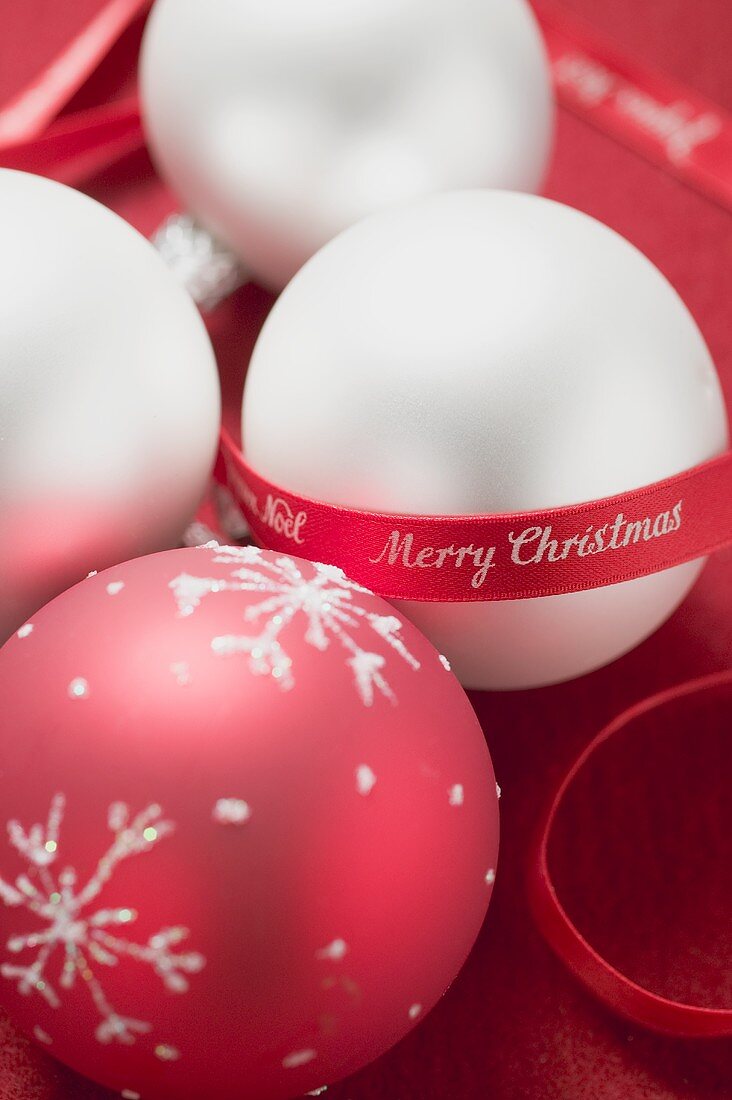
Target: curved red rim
point(615, 989)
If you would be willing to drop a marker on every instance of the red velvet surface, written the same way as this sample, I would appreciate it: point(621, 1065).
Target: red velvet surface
point(640, 855)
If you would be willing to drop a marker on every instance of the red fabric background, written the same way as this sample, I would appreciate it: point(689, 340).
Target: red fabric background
point(515, 1024)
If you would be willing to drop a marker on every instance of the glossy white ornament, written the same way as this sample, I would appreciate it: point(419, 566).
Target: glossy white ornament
point(281, 122)
point(488, 352)
point(109, 397)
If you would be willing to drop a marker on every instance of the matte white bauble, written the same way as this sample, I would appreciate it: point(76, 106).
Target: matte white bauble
point(488, 352)
point(281, 122)
point(109, 397)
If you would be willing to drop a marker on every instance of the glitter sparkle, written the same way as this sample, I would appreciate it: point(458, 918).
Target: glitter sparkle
point(85, 935)
point(325, 598)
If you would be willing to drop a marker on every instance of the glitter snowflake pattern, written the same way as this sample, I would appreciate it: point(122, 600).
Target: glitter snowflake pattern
point(73, 927)
point(327, 600)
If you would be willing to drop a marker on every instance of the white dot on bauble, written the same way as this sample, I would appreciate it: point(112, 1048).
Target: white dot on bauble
point(365, 779)
point(335, 951)
point(182, 672)
point(298, 1058)
point(231, 811)
point(78, 688)
point(166, 1053)
point(456, 794)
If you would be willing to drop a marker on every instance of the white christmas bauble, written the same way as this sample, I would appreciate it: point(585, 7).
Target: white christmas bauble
point(109, 398)
point(281, 122)
point(488, 352)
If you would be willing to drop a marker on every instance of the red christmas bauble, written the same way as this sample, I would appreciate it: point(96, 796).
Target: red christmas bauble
point(251, 826)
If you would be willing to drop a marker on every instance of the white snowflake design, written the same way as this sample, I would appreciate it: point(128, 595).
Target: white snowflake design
point(83, 933)
point(327, 599)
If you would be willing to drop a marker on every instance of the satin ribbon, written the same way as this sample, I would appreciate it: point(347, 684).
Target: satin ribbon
point(671, 125)
point(28, 113)
point(608, 984)
point(78, 145)
point(668, 123)
point(494, 557)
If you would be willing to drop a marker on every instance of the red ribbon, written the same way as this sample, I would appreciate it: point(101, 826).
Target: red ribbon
point(495, 557)
point(607, 983)
point(669, 124)
point(673, 126)
point(27, 114)
point(77, 145)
